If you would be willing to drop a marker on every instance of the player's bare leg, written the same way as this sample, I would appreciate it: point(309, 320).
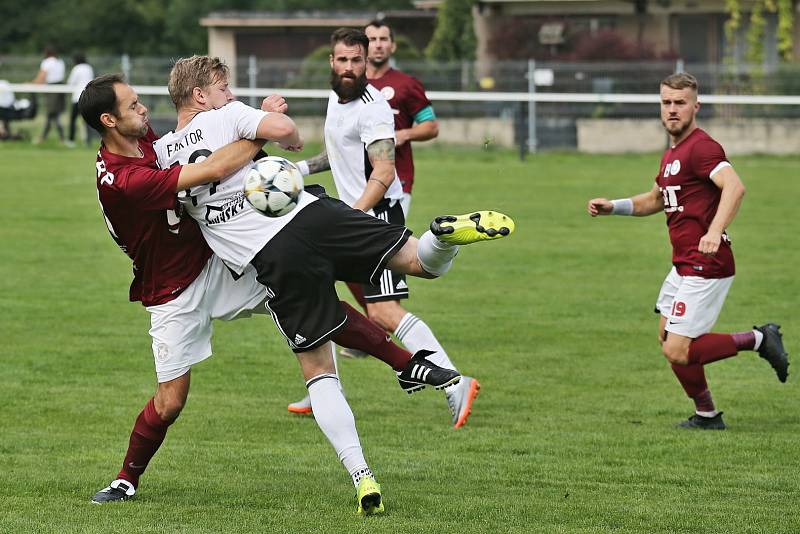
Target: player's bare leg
point(148, 433)
point(335, 419)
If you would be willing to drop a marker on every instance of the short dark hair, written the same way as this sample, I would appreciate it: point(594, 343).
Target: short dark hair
point(99, 97)
point(79, 58)
point(680, 80)
point(379, 23)
point(350, 37)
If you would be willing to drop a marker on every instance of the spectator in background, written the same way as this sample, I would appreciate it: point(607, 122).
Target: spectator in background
point(51, 71)
point(80, 75)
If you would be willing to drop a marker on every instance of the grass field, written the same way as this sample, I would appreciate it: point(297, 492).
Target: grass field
point(574, 428)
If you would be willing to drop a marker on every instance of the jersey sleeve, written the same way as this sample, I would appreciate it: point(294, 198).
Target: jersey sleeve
point(376, 122)
point(417, 99)
point(707, 154)
point(149, 189)
point(241, 119)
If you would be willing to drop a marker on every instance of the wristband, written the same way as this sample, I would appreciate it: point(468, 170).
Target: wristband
point(302, 166)
point(622, 206)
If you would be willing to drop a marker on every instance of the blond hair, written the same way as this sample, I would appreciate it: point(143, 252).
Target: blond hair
point(680, 80)
point(191, 72)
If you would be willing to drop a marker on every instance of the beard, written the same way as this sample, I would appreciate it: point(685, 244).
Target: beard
point(676, 129)
point(129, 129)
point(378, 62)
point(348, 87)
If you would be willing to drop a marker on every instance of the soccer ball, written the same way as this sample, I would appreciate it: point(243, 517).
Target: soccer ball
point(273, 186)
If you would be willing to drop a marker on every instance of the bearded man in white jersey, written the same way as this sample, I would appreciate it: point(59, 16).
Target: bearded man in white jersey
point(360, 152)
point(298, 257)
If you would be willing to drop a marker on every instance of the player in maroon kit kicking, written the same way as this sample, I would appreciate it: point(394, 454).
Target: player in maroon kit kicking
point(176, 276)
point(700, 193)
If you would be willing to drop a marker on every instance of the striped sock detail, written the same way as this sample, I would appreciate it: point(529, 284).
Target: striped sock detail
point(317, 378)
point(406, 323)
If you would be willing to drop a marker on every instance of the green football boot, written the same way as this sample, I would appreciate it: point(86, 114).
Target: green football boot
point(472, 227)
point(369, 497)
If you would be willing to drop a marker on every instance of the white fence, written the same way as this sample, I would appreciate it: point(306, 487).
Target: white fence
point(535, 119)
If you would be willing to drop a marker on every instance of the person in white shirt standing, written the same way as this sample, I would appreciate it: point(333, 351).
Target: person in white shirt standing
point(51, 71)
point(80, 75)
point(360, 152)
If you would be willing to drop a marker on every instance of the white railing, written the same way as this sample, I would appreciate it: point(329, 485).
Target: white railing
point(463, 96)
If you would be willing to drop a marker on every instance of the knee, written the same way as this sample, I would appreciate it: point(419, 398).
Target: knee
point(675, 355)
point(169, 407)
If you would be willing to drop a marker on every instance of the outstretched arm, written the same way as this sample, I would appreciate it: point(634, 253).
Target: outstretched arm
point(730, 200)
point(641, 205)
point(381, 156)
point(220, 164)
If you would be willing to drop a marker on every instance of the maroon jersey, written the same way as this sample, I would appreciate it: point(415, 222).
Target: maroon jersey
point(690, 203)
point(139, 205)
point(406, 97)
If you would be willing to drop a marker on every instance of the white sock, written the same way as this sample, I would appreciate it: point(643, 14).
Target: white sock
point(759, 339)
point(416, 336)
point(336, 366)
point(335, 418)
point(707, 414)
point(435, 256)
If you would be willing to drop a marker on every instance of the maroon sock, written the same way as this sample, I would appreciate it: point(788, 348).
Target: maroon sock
point(147, 435)
point(704, 403)
point(362, 334)
point(744, 340)
point(710, 348)
point(358, 292)
point(693, 380)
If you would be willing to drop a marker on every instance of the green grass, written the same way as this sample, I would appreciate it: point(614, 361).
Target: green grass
point(573, 431)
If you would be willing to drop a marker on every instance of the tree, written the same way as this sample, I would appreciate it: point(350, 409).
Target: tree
point(454, 36)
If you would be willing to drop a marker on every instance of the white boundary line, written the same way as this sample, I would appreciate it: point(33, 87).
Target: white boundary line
point(463, 96)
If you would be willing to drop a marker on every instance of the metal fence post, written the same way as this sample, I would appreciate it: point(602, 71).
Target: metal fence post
point(252, 78)
point(533, 142)
point(126, 67)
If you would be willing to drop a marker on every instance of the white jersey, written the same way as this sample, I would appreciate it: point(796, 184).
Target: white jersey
point(53, 68)
point(232, 228)
point(349, 129)
point(80, 75)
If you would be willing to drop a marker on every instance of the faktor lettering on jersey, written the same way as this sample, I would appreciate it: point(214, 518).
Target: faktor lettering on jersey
point(233, 229)
point(187, 140)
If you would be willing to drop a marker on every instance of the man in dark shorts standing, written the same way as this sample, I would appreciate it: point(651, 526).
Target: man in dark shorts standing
point(700, 193)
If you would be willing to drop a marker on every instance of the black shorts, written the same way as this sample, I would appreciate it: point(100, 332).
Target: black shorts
point(391, 286)
point(325, 242)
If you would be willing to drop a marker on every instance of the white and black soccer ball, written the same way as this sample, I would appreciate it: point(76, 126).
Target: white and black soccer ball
point(273, 186)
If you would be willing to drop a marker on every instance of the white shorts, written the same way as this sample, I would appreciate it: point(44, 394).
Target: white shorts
point(181, 329)
point(691, 304)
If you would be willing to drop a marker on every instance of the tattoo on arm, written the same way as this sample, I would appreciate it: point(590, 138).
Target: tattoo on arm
point(318, 163)
point(381, 150)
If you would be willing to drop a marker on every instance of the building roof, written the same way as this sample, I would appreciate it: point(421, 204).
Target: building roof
point(306, 19)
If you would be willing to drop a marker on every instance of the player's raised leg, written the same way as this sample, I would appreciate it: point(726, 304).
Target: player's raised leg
point(432, 254)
